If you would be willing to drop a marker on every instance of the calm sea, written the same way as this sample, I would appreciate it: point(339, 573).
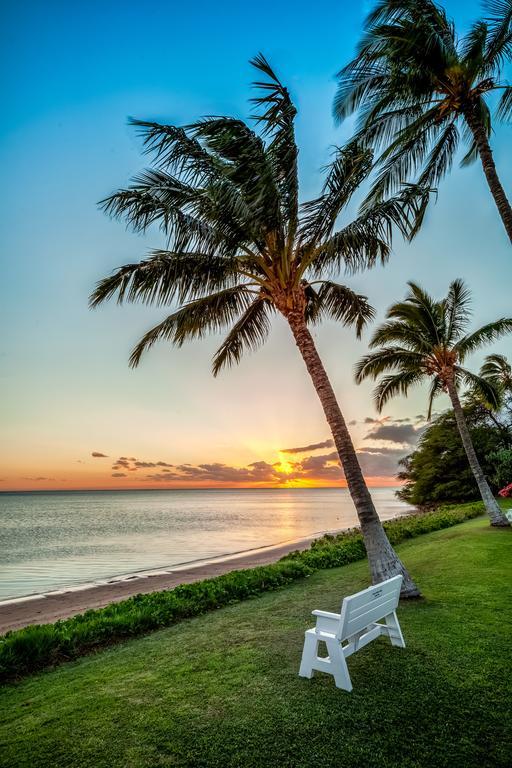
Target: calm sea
point(56, 540)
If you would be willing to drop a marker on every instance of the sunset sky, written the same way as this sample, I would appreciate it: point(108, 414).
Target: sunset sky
point(72, 74)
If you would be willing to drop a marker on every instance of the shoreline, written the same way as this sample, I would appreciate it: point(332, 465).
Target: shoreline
point(49, 607)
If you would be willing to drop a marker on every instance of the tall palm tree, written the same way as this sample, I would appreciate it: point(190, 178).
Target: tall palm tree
point(417, 85)
point(424, 338)
point(240, 249)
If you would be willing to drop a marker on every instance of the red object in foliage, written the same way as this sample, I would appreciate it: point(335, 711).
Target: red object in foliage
point(506, 492)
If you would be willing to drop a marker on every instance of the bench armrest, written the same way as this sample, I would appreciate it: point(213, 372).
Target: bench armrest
point(327, 615)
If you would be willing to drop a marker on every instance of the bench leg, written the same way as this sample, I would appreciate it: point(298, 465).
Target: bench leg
point(339, 665)
point(309, 655)
point(394, 631)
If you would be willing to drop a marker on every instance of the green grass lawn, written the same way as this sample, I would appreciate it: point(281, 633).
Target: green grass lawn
point(222, 689)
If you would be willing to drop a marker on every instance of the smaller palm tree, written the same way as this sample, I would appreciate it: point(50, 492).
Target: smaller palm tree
point(420, 87)
point(497, 369)
point(424, 338)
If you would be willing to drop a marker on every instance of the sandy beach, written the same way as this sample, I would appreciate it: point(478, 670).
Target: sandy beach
point(44, 609)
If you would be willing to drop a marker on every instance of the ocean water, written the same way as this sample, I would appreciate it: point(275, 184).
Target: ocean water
point(55, 540)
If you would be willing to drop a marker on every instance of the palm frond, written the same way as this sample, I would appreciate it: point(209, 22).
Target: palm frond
point(351, 166)
point(249, 332)
point(485, 389)
point(196, 319)
point(393, 385)
point(388, 359)
point(504, 109)
point(276, 113)
point(486, 334)
point(497, 367)
point(246, 164)
point(339, 303)
point(435, 389)
point(499, 41)
point(165, 276)
point(457, 310)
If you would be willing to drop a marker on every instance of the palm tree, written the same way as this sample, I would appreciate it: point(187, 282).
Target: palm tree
point(498, 369)
point(417, 85)
point(240, 249)
point(425, 338)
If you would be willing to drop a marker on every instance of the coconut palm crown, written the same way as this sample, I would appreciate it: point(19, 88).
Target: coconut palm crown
point(498, 369)
point(241, 247)
point(418, 86)
point(424, 338)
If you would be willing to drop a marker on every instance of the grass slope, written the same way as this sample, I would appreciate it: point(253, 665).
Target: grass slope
point(222, 689)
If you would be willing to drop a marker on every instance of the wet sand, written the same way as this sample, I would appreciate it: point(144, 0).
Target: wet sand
point(44, 609)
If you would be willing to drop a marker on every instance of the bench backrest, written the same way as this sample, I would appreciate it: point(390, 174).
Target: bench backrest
point(369, 605)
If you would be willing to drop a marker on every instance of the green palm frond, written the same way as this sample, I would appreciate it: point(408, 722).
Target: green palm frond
point(388, 359)
point(504, 110)
point(485, 389)
point(350, 167)
point(393, 385)
point(249, 332)
point(165, 276)
point(339, 303)
point(486, 334)
point(435, 389)
point(457, 308)
point(247, 165)
point(497, 367)
point(499, 41)
point(196, 319)
point(176, 152)
point(276, 113)
point(366, 240)
point(409, 334)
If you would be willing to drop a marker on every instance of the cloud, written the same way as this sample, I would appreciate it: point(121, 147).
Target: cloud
point(38, 479)
point(380, 462)
point(306, 448)
point(98, 455)
point(394, 433)
point(375, 461)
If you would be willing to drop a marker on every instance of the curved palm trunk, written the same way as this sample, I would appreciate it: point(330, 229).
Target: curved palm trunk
point(491, 505)
point(383, 560)
point(497, 191)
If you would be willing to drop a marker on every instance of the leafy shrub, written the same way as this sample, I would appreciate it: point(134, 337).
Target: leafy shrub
point(437, 471)
point(37, 647)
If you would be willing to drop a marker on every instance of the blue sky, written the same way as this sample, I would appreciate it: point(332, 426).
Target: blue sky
point(72, 74)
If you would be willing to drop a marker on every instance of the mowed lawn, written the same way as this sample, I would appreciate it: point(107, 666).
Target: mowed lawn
point(222, 689)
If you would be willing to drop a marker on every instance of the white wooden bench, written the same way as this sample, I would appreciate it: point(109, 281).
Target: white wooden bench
point(347, 632)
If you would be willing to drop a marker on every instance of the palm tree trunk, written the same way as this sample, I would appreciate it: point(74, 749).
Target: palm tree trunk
point(485, 152)
point(491, 505)
point(383, 560)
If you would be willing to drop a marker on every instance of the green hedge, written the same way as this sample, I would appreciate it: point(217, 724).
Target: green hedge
point(36, 647)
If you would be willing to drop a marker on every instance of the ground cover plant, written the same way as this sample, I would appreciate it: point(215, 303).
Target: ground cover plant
point(35, 647)
point(222, 689)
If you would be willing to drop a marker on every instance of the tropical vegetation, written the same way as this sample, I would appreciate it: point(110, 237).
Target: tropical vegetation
point(221, 690)
point(417, 86)
point(241, 248)
point(438, 469)
point(424, 338)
